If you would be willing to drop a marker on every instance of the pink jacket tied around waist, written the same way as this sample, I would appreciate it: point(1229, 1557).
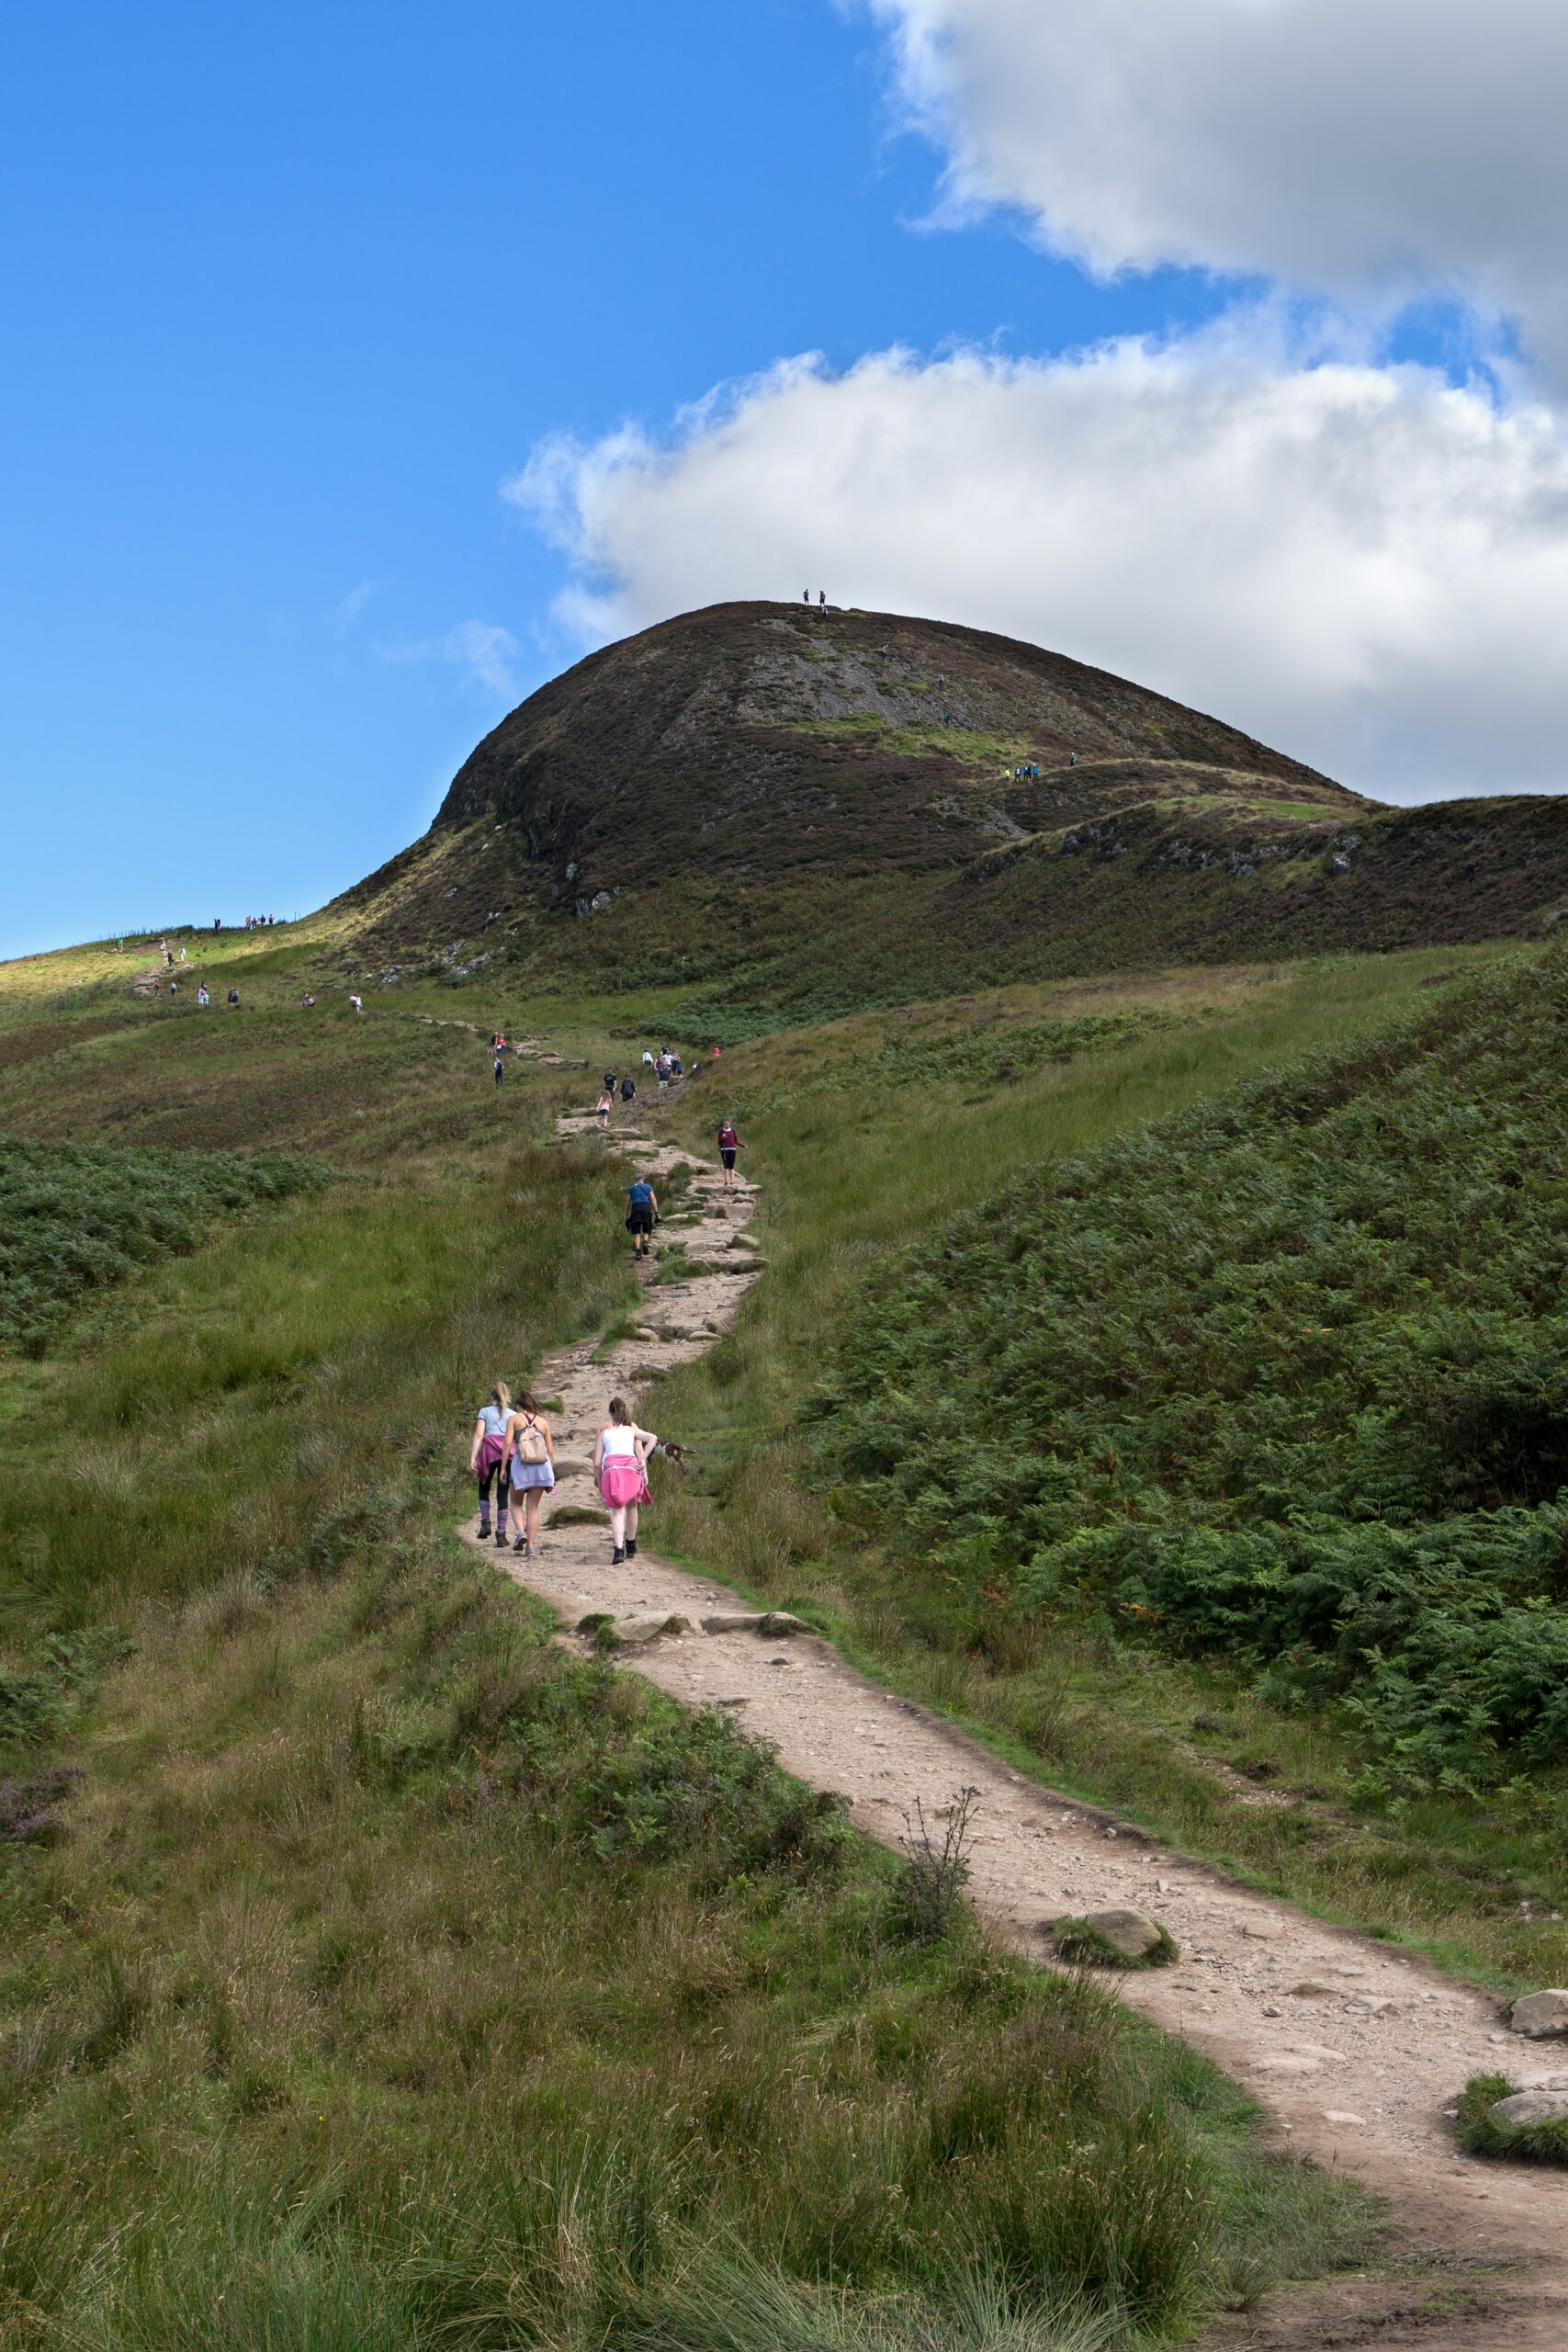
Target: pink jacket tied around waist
point(621, 1480)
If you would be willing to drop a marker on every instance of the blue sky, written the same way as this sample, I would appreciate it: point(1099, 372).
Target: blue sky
point(291, 295)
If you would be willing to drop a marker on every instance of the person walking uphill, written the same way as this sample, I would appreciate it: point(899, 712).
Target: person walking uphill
point(620, 1460)
point(642, 1209)
point(729, 1144)
point(487, 1455)
point(531, 1453)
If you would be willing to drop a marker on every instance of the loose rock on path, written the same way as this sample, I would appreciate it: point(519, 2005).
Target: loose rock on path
point(1355, 2049)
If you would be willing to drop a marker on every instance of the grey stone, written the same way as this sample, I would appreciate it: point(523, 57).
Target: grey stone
point(1540, 2014)
point(772, 1624)
point(1131, 1933)
point(1531, 2107)
point(649, 1629)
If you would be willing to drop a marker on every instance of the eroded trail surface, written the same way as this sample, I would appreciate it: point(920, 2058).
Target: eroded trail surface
point(1355, 2049)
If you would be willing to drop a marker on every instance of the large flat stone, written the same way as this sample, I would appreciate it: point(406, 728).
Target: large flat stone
point(1540, 2014)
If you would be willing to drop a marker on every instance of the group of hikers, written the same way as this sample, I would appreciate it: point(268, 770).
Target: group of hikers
point(514, 1454)
point(513, 1457)
point(667, 1068)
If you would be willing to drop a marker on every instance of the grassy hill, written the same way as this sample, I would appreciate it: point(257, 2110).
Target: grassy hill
point(783, 816)
point(373, 1977)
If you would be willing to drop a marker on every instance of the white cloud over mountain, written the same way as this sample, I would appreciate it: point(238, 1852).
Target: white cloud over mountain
point(1360, 148)
point(1365, 565)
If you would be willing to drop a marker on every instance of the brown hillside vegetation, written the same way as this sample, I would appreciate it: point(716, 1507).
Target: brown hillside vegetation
point(797, 814)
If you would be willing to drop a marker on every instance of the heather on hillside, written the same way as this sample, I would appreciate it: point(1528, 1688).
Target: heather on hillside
point(1283, 1379)
point(76, 1218)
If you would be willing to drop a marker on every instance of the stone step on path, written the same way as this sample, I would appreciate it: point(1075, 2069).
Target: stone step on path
point(1356, 2050)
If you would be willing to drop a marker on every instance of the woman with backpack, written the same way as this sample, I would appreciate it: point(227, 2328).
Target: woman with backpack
point(620, 1458)
point(729, 1144)
point(531, 1450)
point(642, 1208)
point(486, 1459)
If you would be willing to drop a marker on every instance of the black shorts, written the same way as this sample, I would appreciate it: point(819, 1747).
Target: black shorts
point(727, 1157)
point(639, 1220)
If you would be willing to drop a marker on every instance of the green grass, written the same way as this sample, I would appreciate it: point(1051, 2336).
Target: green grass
point(76, 1221)
point(1282, 1381)
point(372, 1975)
point(1189, 1745)
point(1484, 2135)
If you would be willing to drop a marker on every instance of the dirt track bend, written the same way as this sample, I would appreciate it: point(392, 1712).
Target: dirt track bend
point(1354, 2048)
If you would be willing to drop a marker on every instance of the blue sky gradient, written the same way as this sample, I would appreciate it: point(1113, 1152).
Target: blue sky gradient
point(290, 294)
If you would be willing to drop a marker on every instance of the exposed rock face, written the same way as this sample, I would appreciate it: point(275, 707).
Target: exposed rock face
point(1540, 2015)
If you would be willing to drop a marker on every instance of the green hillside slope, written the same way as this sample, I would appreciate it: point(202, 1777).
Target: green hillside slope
point(1285, 1380)
point(782, 817)
point(372, 1977)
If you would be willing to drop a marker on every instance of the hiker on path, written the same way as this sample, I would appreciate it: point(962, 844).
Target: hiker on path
point(642, 1210)
point(499, 1068)
point(605, 1105)
point(629, 1091)
point(487, 1458)
point(531, 1454)
point(646, 1057)
point(729, 1144)
point(234, 996)
point(620, 1456)
point(201, 995)
point(357, 1003)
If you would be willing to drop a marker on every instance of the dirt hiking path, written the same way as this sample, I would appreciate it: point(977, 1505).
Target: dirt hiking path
point(1354, 2048)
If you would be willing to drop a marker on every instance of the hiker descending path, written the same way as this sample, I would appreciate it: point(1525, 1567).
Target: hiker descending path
point(1354, 2048)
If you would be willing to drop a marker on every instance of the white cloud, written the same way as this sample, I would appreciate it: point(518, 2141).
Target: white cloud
point(1355, 147)
point(486, 653)
point(1365, 566)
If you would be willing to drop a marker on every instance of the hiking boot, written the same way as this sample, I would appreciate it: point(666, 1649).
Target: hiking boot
point(484, 1531)
point(631, 1547)
point(616, 1558)
point(500, 1537)
point(520, 1543)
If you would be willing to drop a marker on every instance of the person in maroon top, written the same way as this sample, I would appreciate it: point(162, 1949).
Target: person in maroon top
point(729, 1144)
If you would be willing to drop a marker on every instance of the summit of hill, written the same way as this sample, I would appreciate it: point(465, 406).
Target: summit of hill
point(759, 739)
point(805, 811)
